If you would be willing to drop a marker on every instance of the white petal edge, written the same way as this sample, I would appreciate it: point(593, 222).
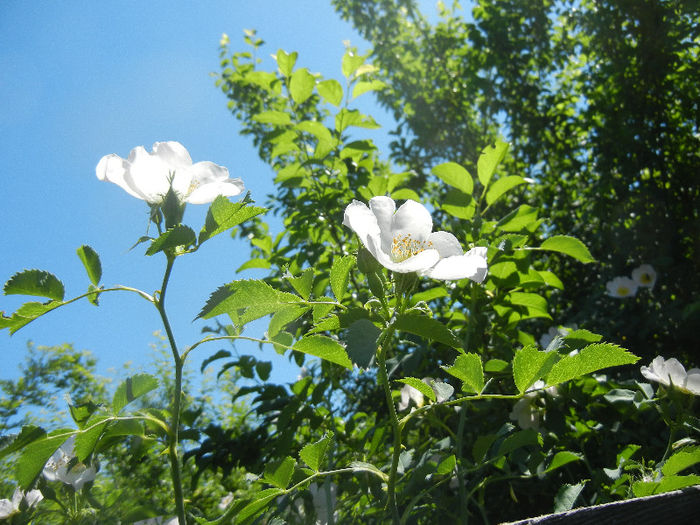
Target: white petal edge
point(208, 192)
point(412, 218)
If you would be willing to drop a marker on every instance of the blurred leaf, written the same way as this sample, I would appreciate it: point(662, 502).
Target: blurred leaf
point(370, 85)
point(456, 176)
point(522, 438)
point(569, 246)
point(468, 369)
point(312, 454)
point(276, 118)
point(331, 91)
point(351, 62)
point(325, 348)
point(132, 388)
point(301, 85)
point(35, 282)
point(91, 261)
point(491, 156)
point(218, 355)
point(286, 61)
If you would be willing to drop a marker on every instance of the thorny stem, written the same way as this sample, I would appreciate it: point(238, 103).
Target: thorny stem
point(177, 398)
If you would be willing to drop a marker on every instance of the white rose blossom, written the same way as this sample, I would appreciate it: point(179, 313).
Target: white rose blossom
point(148, 176)
point(59, 467)
point(408, 394)
point(671, 371)
point(403, 241)
point(644, 276)
point(9, 508)
point(622, 287)
point(526, 410)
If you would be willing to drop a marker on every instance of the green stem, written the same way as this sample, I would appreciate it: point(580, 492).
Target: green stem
point(396, 425)
point(460, 471)
point(177, 398)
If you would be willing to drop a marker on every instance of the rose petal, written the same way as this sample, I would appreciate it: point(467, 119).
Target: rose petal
point(412, 218)
point(692, 384)
point(467, 266)
point(445, 243)
point(112, 168)
point(383, 209)
point(173, 153)
point(210, 191)
point(363, 222)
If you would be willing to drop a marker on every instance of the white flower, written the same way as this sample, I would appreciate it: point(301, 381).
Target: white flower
point(147, 175)
point(226, 501)
point(621, 287)
point(644, 276)
point(9, 508)
point(671, 371)
point(408, 394)
point(60, 468)
point(403, 241)
point(526, 410)
point(554, 331)
point(158, 520)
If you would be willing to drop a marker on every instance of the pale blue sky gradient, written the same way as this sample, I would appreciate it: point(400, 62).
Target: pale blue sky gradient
point(84, 79)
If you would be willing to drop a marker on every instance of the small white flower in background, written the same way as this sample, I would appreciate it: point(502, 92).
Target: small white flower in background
point(671, 371)
point(408, 394)
point(644, 276)
point(622, 287)
point(403, 241)
point(9, 508)
point(158, 520)
point(226, 501)
point(147, 176)
point(526, 411)
point(59, 467)
point(554, 331)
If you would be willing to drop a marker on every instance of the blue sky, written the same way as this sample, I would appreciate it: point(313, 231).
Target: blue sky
point(84, 79)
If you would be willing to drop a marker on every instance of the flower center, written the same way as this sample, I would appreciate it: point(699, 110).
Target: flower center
point(623, 290)
point(403, 247)
point(646, 278)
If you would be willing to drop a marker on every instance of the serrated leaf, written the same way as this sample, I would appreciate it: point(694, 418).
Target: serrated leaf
point(279, 473)
point(340, 275)
point(419, 385)
point(312, 454)
point(681, 460)
point(443, 391)
point(567, 245)
point(27, 435)
point(92, 264)
point(361, 339)
point(468, 369)
point(447, 465)
point(27, 313)
point(224, 214)
point(456, 176)
point(218, 355)
point(303, 283)
point(86, 440)
point(261, 500)
point(175, 237)
point(301, 85)
point(325, 348)
point(427, 327)
point(331, 91)
point(132, 388)
point(491, 156)
point(35, 282)
point(590, 359)
point(34, 456)
point(567, 496)
point(284, 316)
point(405, 460)
point(502, 186)
point(529, 365)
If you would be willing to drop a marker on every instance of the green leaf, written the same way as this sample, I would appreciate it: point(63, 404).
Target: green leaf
point(312, 454)
point(285, 61)
point(176, 237)
point(279, 473)
point(681, 460)
point(447, 465)
point(221, 354)
point(427, 327)
point(459, 204)
point(224, 214)
point(317, 129)
point(419, 385)
point(351, 62)
point(347, 117)
point(34, 456)
point(132, 388)
point(502, 186)
point(455, 175)
point(86, 440)
point(325, 348)
point(35, 282)
point(667, 484)
point(91, 261)
point(361, 342)
point(303, 283)
point(522, 218)
point(491, 156)
point(443, 391)
point(27, 313)
point(301, 85)
point(276, 118)
point(27, 435)
point(263, 369)
point(562, 458)
point(531, 300)
point(590, 359)
point(468, 369)
point(522, 438)
point(529, 365)
point(331, 91)
point(262, 498)
point(567, 496)
point(369, 85)
point(567, 245)
point(340, 275)
point(284, 316)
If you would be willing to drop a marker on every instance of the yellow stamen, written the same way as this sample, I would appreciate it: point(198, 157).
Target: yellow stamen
point(403, 247)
